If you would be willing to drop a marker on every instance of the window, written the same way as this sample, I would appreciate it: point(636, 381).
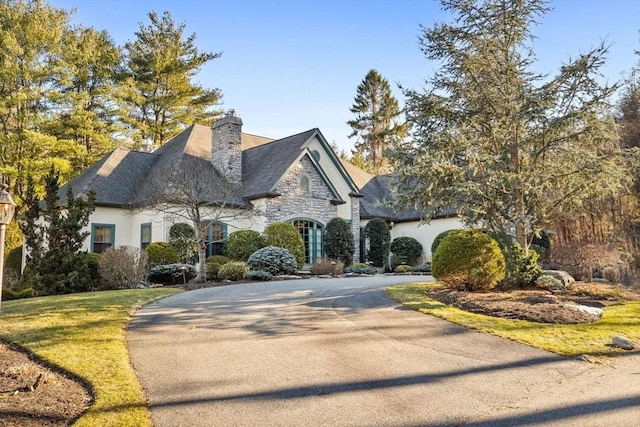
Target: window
point(312, 236)
point(216, 236)
point(145, 235)
point(304, 185)
point(102, 237)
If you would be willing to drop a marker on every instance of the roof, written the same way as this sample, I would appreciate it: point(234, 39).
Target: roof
point(126, 178)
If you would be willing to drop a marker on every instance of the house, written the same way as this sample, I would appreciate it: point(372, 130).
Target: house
point(298, 179)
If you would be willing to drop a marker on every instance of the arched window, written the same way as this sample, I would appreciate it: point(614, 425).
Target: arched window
point(305, 185)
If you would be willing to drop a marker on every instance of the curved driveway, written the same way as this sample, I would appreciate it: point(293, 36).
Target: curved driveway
point(339, 352)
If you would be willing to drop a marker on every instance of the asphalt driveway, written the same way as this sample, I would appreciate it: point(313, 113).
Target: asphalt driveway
point(339, 352)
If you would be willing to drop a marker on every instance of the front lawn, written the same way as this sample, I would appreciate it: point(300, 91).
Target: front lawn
point(564, 339)
point(84, 334)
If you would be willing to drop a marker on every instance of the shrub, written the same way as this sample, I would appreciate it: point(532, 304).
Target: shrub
point(360, 268)
point(612, 274)
point(213, 264)
point(403, 268)
point(273, 259)
point(242, 243)
point(582, 258)
point(172, 274)
point(407, 247)
point(423, 268)
point(260, 275)
point(438, 239)
point(338, 241)
point(377, 231)
point(522, 270)
point(182, 237)
point(122, 267)
point(470, 260)
point(550, 283)
point(234, 270)
point(161, 253)
point(14, 259)
point(285, 235)
point(9, 294)
point(327, 267)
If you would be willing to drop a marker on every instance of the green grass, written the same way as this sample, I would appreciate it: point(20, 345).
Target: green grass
point(84, 334)
point(568, 340)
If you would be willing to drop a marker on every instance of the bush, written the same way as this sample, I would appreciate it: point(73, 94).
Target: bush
point(213, 264)
point(550, 283)
point(612, 274)
point(338, 241)
point(521, 270)
point(123, 267)
point(377, 231)
point(438, 239)
point(9, 294)
point(273, 259)
point(182, 237)
point(407, 247)
point(172, 274)
point(161, 253)
point(285, 235)
point(360, 268)
point(234, 270)
point(14, 259)
point(330, 267)
point(470, 260)
point(423, 268)
point(259, 275)
point(242, 243)
point(403, 268)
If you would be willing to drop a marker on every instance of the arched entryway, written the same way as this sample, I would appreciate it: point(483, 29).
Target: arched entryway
point(311, 232)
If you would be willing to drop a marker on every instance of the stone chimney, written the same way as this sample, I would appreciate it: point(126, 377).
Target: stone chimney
point(226, 154)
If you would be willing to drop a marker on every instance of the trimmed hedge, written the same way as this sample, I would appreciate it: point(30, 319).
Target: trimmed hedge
point(273, 259)
point(161, 253)
point(338, 241)
point(172, 274)
point(234, 270)
point(285, 235)
point(242, 243)
point(408, 248)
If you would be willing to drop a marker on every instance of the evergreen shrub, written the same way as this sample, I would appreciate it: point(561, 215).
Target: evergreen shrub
point(422, 268)
point(242, 243)
point(521, 270)
point(182, 237)
point(338, 241)
point(9, 294)
point(259, 275)
point(213, 264)
point(360, 268)
point(408, 248)
point(438, 239)
point(285, 235)
point(161, 253)
point(377, 232)
point(273, 259)
point(469, 260)
point(234, 270)
point(403, 268)
point(172, 274)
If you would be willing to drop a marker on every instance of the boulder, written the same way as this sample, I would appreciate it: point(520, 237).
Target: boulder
point(623, 343)
point(564, 277)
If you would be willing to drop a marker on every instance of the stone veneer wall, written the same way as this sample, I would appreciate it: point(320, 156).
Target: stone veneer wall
point(292, 203)
point(355, 227)
point(226, 154)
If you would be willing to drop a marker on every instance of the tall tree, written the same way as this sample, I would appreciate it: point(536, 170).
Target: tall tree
point(377, 125)
point(505, 147)
point(160, 96)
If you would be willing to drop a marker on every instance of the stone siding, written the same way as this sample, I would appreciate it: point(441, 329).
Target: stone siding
point(355, 227)
point(294, 203)
point(226, 154)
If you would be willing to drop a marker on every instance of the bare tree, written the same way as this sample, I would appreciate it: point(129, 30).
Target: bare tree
point(189, 188)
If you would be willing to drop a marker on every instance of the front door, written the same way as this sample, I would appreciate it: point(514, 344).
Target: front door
point(311, 232)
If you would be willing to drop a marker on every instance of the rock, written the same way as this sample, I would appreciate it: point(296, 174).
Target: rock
point(588, 358)
point(564, 277)
point(594, 311)
point(622, 342)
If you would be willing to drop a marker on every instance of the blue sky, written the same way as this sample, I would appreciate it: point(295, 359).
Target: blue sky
point(288, 66)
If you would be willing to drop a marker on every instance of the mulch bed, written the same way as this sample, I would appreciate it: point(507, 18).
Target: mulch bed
point(34, 394)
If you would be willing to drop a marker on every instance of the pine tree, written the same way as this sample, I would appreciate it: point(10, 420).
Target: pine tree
point(505, 147)
point(376, 126)
point(158, 91)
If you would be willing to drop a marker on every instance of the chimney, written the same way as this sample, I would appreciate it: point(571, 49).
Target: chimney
point(226, 154)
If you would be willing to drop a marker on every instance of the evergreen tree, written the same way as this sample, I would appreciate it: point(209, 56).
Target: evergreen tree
point(507, 148)
point(376, 125)
point(377, 232)
point(54, 245)
point(339, 243)
point(160, 97)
